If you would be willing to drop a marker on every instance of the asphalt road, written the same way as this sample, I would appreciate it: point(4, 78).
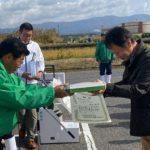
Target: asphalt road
point(114, 135)
point(108, 136)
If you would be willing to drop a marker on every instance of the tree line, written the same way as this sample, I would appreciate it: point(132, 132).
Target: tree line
point(39, 35)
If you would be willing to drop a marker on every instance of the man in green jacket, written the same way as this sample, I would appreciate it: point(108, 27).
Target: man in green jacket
point(14, 94)
point(104, 57)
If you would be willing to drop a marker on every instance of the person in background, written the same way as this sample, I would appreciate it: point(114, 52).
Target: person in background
point(15, 94)
point(104, 57)
point(135, 84)
point(29, 117)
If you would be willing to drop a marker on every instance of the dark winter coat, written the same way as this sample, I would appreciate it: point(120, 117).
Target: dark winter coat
point(135, 85)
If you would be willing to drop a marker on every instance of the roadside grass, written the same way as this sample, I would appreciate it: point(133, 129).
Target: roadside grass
point(84, 52)
point(73, 58)
point(74, 54)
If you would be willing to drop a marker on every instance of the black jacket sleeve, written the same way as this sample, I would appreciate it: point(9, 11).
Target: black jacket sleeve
point(136, 85)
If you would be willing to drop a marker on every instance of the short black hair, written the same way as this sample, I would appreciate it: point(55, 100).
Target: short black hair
point(117, 36)
point(14, 46)
point(26, 26)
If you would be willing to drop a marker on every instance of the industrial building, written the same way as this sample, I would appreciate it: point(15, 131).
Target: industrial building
point(137, 27)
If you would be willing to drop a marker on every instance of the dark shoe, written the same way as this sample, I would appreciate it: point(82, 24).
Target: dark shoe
point(31, 144)
point(22, 133)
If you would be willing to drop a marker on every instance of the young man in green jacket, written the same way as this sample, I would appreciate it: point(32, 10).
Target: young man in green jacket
point(14, 94)
point(104, 57)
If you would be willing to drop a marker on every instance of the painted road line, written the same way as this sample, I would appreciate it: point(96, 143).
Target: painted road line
point(88, 137)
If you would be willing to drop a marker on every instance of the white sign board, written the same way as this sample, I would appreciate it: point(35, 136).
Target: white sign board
point(89, 109)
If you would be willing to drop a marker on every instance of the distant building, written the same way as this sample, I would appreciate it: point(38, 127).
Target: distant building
point(105, 30)
point(137, 27)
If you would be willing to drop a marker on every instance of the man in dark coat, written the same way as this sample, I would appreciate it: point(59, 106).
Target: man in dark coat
point(135, 84)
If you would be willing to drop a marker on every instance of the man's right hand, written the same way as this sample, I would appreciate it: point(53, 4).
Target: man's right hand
point(27, 76)
point(60, 91)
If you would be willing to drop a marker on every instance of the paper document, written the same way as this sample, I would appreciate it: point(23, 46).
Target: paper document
point(66, 103)
point(85, 87)
point(89, 109)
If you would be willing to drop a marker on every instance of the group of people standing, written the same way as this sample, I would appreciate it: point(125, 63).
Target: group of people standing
point(16, 94)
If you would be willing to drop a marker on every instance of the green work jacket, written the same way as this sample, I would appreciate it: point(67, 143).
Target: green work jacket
point(103, 54)
point(15, 95)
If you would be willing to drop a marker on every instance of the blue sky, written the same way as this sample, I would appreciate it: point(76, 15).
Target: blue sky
point(14, 12)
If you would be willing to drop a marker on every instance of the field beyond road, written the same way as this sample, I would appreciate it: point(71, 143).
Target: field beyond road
point(77, 63)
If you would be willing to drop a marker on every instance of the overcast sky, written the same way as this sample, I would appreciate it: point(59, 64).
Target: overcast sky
point(14, 12)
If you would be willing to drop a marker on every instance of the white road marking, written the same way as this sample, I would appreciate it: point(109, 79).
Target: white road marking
point(88, 137)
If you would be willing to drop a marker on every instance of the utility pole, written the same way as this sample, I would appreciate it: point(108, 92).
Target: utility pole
point(58, 28)
point(102, 28)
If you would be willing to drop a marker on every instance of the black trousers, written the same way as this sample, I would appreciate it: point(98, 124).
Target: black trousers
point(5, 137)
